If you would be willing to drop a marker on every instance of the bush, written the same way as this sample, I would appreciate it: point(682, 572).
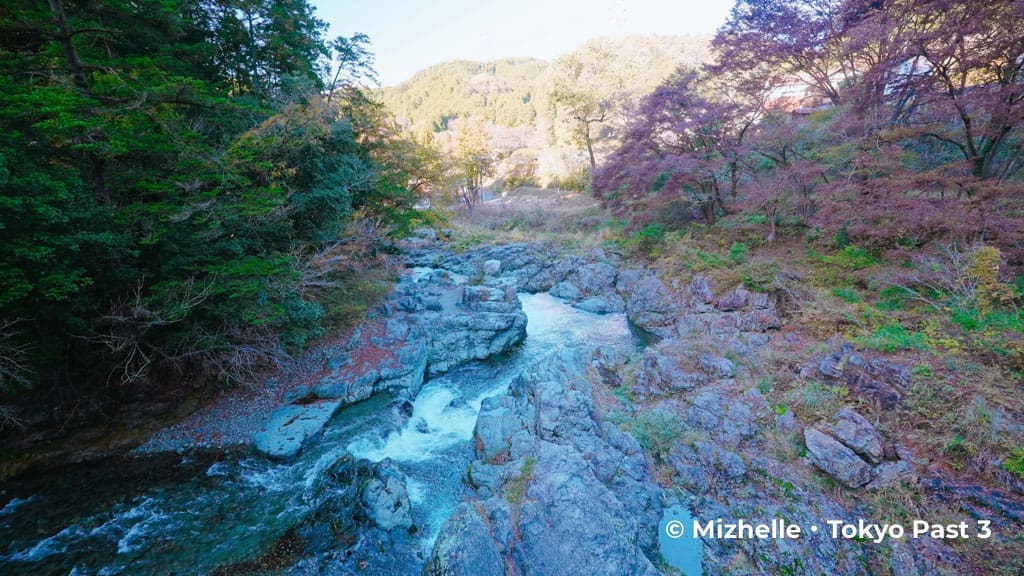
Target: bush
point(1014, 463)
point(848, 295)
point(657, 431)
point(759, 275)
point(851, 258)
point(893, 337)
point(738, 253)
point(983, 271)
point(922, 371)
point(647, 240)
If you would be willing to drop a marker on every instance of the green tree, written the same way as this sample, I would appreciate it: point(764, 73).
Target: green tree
point(587, 99)
point(170, 180)
point(473, 162)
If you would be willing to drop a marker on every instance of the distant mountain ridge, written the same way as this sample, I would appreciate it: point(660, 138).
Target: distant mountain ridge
point(499, 91)
point(513, 92)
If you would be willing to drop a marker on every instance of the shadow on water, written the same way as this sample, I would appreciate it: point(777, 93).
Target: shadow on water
point(237, 512)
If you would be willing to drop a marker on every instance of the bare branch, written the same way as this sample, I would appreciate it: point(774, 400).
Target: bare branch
point(13, 356)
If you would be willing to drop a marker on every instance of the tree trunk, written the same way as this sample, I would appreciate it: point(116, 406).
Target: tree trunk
point(99, 180)
point(709, 212)
point(67, 46)
point(590, 146)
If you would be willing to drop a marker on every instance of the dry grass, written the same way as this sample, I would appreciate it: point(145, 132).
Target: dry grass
point(572, 220)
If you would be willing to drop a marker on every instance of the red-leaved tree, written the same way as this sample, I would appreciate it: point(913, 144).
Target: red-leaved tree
point(681, 147)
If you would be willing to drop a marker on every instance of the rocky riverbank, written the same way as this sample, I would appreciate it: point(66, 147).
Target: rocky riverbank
point(572, 469)
point(548, 453)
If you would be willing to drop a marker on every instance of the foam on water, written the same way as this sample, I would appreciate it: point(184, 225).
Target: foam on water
point(218, 469)
point(440, 418)
point(322, 463)
point(55, 544)
point(14, 504)
point(136, 537)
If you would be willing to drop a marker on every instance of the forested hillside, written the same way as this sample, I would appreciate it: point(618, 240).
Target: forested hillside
point(179, 203)
point(502, 92)
point(541, 110)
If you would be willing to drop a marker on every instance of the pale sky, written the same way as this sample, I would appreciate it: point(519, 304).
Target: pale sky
point(409, 35)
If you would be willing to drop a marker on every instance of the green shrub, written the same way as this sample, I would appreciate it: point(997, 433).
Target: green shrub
point(848, 295)
point(891, 298)
point(922, 371)
point(893, 337)
point(971, 319)
point(648, 240)
point(709, 259)
point(759, 275)
point(1014, 463)
point(958, 447)
point(851, 258)
point(814, 399)
point(841, 239)
point(656, 431)
point(738, 253)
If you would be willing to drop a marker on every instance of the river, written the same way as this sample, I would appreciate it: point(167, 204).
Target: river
point(207, 513)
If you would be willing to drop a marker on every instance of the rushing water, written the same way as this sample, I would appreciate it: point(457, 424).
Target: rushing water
point(170, 514)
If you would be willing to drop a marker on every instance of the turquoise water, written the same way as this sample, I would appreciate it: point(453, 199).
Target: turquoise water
point(677, 543)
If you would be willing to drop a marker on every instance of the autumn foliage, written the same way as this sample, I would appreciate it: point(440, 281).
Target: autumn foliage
point(895, 122)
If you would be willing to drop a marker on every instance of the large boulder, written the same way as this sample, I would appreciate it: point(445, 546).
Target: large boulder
point(498, 421)
point(700, 291)
point(836, 460)
point(293, 424)
point(492, 267)
point(596, 278)
point(462, 337)
point(385, 497)
point(465, 547)
point(877, 380)
point(570, 523)
point(717, 366)
point(659, 373)
point(603, 304)
point(652, 307)
point(858, 434)
point(566, 291)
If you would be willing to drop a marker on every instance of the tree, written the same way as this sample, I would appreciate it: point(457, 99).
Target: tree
point(682, 146)
point(784, 167)
point(803, 38)
point(169, 175)
point(473, 162)
point(352, 62)
point(588, 95)
point(262, 44)
point(969, 66)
